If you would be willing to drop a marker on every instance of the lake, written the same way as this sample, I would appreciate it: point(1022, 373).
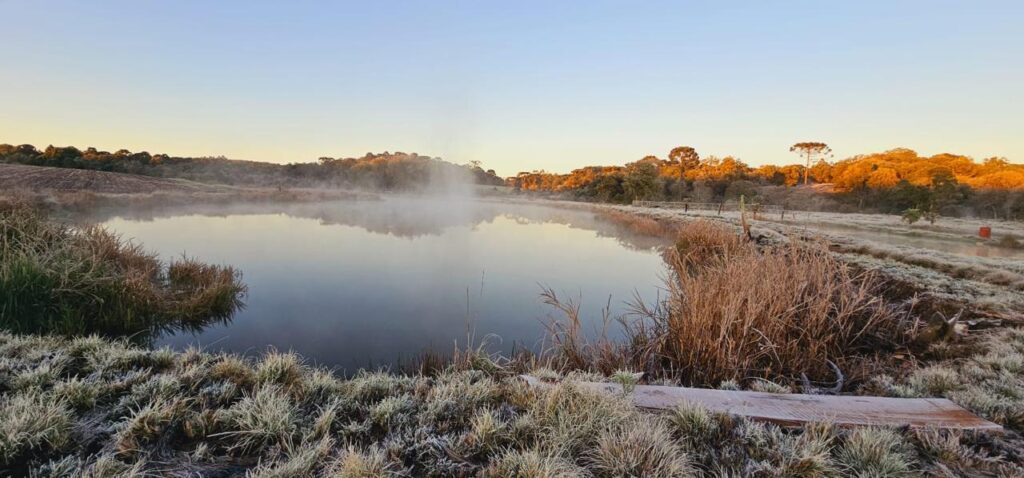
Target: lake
point(368, 284)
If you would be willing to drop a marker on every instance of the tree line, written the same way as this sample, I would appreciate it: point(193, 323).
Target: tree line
point(889, 182)
point(384, 171)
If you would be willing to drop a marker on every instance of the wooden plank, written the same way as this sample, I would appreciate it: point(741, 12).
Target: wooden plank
point(795, 408)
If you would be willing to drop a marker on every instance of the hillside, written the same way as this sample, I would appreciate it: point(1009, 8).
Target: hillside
point(385, 171)
point(37, 178)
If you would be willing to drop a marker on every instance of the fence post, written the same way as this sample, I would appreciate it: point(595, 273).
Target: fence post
point(720, 207)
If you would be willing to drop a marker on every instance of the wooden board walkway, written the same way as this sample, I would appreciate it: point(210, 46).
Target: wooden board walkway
point(794, 409)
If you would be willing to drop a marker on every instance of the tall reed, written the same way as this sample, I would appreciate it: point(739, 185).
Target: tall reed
point(735, 310)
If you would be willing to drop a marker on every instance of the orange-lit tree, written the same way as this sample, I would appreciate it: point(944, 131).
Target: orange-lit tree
point(811, 151)
point(687, 158)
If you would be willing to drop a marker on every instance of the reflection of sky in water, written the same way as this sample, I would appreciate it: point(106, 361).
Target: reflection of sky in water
point(322, 284)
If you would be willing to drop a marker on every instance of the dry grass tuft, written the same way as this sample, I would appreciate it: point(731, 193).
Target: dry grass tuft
point(369, 463)
point(32, 422)
point(533, 464)
point(284, 369)
point(639, 449)
point(736, 311)
point(263, 418)
point(871, 452)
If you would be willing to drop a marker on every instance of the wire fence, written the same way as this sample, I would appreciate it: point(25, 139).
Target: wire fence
point(711, 206)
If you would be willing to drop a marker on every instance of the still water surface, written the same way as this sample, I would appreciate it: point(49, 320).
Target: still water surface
point(371, 283)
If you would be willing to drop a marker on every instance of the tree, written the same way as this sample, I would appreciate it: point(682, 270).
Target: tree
point(946, 191)
point(640, 181)
point(811, 151)
point(822, 172)
point(687, 158)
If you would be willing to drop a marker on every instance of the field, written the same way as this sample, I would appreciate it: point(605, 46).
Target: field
point(41, 178)
point(946, 260)
point(65, 190)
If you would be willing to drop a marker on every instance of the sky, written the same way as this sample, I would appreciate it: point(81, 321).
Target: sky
point(519, 86)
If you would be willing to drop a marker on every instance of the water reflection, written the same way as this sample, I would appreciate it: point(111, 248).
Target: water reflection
point(362, 284)
point(400, 217)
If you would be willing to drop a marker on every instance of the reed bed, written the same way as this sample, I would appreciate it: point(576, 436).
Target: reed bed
point(737, 311)
point(76, 280)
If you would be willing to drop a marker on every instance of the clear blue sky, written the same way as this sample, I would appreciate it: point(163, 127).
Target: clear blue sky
point(517, 85)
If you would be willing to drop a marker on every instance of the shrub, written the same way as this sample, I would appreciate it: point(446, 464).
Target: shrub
point(910, 216)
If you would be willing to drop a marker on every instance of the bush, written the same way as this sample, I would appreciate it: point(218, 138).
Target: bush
point(911, 216)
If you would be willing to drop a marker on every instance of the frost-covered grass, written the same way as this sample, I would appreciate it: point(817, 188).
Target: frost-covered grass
point(106, 408)
point(989, 382)
point(989, 283)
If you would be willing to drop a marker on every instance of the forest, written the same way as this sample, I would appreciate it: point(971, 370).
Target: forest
point(888, 182)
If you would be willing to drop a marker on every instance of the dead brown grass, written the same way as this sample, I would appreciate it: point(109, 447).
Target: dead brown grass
point(737, 311)
point(638, 224)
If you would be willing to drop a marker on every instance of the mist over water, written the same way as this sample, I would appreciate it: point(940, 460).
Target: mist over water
point(354, 284)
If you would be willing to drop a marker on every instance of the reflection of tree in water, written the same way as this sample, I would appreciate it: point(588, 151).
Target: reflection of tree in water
point(405, 217)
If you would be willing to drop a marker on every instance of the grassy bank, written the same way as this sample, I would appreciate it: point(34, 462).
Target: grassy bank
point(76, 280)
point(106, 408)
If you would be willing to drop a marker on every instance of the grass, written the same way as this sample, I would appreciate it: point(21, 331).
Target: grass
point(637, 224)
point(957, 267)
point(32, 421)
point(989, 382)
point(735, 310)
point(118, 410)
point(78, 280)
point(873, 452)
